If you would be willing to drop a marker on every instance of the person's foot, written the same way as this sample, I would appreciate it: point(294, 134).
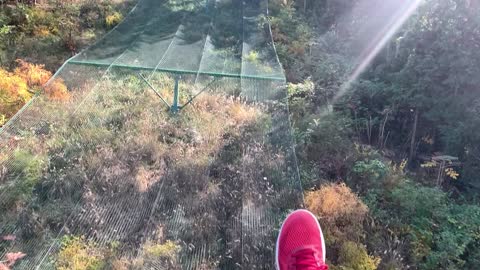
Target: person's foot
point(300, 243)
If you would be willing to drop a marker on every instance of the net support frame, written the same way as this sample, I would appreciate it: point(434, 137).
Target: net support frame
point(179, 71)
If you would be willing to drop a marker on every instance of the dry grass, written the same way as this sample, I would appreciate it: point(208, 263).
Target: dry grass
point(124, 143)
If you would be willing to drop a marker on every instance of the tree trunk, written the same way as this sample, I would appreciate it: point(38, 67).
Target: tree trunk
point(381, 131)
point(414, 134)
point(369, 130)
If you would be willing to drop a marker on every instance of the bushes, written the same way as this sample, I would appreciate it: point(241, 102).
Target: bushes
point(353, 256)
point(328, 146)
point(368, 174)
point(17, 87)
point(168, 250)
point(26, 170)
point(439, 232)
point(13, 94)
point(50, 33)
point(339, 209)
point(292, 37)
point(78, 254)
point(57, 90)
point(33, 75)
point(342, 215)
point(113, 19)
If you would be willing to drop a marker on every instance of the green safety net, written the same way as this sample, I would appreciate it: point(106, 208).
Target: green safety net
point(107, 175)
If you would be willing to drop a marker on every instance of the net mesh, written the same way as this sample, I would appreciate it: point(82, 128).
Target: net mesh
point(106, 172)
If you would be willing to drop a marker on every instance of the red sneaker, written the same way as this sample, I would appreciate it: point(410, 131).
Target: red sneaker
point(300, 243)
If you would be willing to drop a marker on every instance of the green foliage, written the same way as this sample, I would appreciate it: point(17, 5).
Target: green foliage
point(299, 98)
point(49, 34)
point(428, 68)
point(292, 36)
point(300, 89)
point(373, 169)
point(367, 174)
point(353, 256)
point(26, 171)
point(441, 232)
point(328, 144)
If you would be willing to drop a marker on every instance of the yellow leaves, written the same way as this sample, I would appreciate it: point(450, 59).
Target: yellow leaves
point(403, 164)
point(13, 93)
point(168, 250)
point(336, 201)
point(41, 31)
point(429, 164)
point(34, 75)
point(452, 173)
point(113, 19)
point(252, 56)
point(78, 254)
point(17, 87)
point(400, 168)
point(57, 90)
point(12, 86)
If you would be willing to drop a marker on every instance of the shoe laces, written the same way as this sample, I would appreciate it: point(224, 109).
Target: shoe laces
point(307, 259)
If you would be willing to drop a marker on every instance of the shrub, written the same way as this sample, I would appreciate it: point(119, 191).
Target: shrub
point(328, 145)
point(252, 56)
point(165, 254)
point(17, 87)
point(367, 174)
point(168, 250)
point(13, 92)
point(78, 254)
point(242, 113)
point(353, 256)
point(26, 171)
point(340, 210)
point(113, 19)
point(33, 75)
point(36, 77)
point(90, 13)
point(304, 89)
point(57, 90)
point(441, 234)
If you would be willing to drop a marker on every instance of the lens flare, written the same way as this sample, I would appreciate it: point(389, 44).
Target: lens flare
point(397, 14)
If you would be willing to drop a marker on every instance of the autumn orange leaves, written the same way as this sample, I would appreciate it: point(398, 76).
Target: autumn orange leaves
point(19, 86)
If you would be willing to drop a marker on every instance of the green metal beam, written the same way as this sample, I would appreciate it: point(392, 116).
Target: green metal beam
point(178, 71)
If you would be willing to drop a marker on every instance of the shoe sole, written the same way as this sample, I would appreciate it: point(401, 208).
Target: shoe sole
point(280, 233)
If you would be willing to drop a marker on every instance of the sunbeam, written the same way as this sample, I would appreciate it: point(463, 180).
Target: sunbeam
point(402, 10)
